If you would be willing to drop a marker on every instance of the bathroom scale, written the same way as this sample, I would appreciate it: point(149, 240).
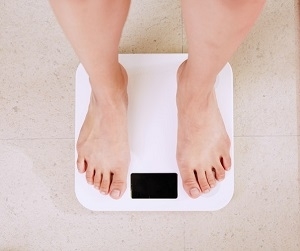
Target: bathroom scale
point(153, 180)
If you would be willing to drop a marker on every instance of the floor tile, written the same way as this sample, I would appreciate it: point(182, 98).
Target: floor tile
point(37, 79)
point(265, 67)
point(38, 193)
point(41, 212)
point(153, 27)
point(264, 212)
point(297, 9)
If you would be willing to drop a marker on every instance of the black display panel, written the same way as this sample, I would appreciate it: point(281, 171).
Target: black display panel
point(154, 186)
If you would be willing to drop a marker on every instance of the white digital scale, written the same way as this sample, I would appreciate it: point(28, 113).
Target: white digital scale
point(152, 122)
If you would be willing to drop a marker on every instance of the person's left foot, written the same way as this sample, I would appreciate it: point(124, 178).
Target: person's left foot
point(203, 145)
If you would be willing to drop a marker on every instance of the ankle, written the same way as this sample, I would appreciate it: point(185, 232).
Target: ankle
point(108, 73)
point(193, 88)
point(195, 75)
point(108, 105)
point(109, 86)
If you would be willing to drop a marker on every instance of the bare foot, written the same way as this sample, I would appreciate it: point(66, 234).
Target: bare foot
point(203, 144)
point(103, 151)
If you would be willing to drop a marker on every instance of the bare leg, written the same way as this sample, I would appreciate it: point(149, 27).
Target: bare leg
point(214, 30)
point(94, 29)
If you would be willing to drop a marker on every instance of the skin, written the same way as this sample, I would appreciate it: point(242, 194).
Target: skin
point(214, 31)
point(94, 29)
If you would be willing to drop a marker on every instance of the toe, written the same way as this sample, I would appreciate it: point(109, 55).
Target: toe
point(81, 165)
point(210, 176)
point(190, 183)
point(220, 172)
point(105, 182)
point(97, 179)
point(226, 162)
point(202, 180)
point(118, 184)
point(90, 172)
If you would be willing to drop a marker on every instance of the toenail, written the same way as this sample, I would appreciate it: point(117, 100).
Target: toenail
point(206, 191)
point(212, 186)
point(195, 192)
point(104, 193)
point(115, 194)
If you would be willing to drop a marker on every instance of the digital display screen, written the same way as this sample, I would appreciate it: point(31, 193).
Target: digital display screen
point(154, 186)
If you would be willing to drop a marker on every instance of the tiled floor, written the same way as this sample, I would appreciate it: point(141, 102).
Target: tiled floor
point(38, 208)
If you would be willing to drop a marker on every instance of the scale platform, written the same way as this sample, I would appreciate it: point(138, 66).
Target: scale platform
point(152, 123)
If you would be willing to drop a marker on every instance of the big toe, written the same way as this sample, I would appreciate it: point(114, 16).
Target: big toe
point(118, 185)
point(190, 183)
point(81, 165)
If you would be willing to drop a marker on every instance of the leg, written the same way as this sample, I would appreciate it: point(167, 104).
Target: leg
point(94, 29)
point(214, 31)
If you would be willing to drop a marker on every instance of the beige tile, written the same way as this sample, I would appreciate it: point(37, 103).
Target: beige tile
point(153, 27)
point(37, 97)
point(264, 212)
point(40, 211)
point(37, 78)
point(265, 69)
point(299, 163)
point(298, 107)
point(265, 74)
point(184, 41)
point(297, 19)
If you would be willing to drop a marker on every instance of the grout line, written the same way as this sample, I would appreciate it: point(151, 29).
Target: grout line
point(237, 136)
point(182, 29)
point(266, 136)
point(19, 139)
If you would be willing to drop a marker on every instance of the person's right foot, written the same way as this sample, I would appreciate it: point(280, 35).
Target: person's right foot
point(102, 146)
